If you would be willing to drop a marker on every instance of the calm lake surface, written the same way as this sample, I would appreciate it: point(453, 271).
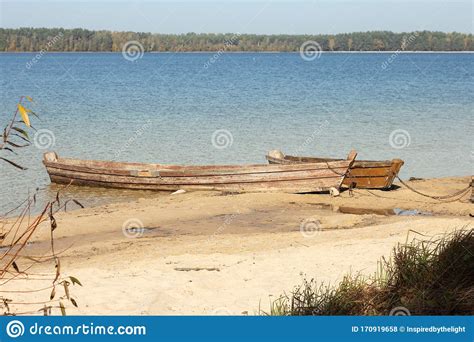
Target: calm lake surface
point(202, 108)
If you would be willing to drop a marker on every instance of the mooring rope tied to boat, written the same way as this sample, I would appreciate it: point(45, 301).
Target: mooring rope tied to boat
point(336, 172)
point(459, 193)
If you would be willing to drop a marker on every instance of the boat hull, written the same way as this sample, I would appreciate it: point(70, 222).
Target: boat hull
point(362, 174)
point(292, 178)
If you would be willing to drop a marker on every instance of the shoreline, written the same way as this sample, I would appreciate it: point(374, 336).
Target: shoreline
point(129, 196)
point(242, 52)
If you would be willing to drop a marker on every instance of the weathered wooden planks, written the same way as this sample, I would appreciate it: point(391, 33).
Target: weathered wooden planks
point(294, 178)
point(363, 174)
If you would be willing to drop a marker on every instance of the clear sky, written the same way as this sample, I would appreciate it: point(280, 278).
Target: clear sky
point(243, 16)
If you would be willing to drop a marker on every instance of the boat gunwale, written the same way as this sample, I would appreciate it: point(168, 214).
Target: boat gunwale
point(356, 165)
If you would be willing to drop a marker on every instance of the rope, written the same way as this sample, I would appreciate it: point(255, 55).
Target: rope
point(440, 198)
point(345, 174)
point(336, 172)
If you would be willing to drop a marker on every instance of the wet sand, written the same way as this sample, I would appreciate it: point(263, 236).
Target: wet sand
point(214, 253)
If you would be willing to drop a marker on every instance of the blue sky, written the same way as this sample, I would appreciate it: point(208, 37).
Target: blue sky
point(243, 16)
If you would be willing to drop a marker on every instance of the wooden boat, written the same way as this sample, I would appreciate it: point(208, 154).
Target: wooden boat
point(293, 178)
point(363, 174)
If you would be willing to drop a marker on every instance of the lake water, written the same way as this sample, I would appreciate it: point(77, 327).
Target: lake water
point(202, 108)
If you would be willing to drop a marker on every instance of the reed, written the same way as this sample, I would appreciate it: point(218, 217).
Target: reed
point(423, 277)
point(17, 227)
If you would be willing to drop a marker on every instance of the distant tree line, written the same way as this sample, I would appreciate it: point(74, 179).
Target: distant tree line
point(58, 39)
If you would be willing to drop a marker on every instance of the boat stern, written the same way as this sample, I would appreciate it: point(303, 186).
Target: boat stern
point(393, 173)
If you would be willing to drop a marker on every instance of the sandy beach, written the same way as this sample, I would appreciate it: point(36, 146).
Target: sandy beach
point(207, 253)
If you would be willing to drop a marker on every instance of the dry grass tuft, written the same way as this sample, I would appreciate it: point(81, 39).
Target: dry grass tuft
point(427, 277)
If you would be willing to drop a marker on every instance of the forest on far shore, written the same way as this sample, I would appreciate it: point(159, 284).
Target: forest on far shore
point(71, 40)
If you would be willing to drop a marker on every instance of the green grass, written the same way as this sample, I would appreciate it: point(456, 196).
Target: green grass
point(427, 277)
